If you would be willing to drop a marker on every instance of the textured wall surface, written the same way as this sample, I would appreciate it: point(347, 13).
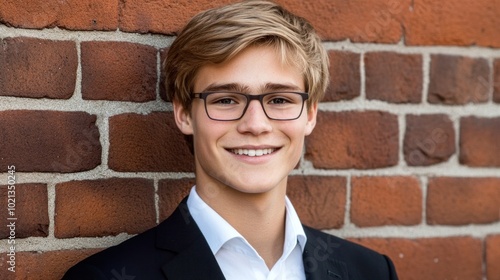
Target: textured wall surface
point(405, 157)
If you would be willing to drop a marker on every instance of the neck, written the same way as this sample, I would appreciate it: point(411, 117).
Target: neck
point(259, 218)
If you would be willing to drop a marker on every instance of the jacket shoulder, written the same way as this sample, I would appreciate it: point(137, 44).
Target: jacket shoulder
point(127, 259)
point(358, 261)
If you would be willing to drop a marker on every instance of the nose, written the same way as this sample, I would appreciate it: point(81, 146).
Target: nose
point(254, 120)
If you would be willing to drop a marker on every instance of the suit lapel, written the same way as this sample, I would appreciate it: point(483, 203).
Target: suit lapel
point(194, 259)
point(193, 263)
point(319, 263)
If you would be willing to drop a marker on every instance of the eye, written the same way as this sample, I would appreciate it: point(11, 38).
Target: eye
point(224, 101)
point(278, 100)
point(283, 98)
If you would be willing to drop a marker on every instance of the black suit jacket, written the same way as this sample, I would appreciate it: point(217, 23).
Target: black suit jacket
point(176, 249)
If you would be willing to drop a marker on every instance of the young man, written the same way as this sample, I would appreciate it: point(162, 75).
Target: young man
point(245, 81)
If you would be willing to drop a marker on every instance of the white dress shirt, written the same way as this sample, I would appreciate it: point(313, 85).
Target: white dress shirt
point(237, 259)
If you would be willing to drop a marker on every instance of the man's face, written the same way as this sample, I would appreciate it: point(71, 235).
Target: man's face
point(276, 146)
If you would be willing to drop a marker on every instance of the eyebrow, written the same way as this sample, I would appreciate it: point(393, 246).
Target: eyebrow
point(227, 87)
point(281, 87)
point(235, 87)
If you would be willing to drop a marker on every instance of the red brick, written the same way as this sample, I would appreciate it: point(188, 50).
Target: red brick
point(493, 257)
point(458, 80)
point(462, 201)
point(345, 81)
point(479, 141)
point(457, 23)
point(378, 201)
point(163, 91)
point(496, 80)
point(319, 201)
point(44, 265)
point(157, 16)
point(31, 209)
point(104, 207)
point(171, 193)
point(361, 140)
point(89, 15)
point(149, 143)
point(49, 141)
point(71, 14)
point(432, 258)
point(363, 21)
point(392, 77)
point(37, 68)
point(429, 139)
point(118, 71)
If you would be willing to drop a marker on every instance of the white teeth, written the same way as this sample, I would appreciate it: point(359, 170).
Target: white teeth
point(252, 153)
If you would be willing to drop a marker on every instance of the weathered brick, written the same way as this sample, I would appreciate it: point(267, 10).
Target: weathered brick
point(429, 139)
point(365, 21)
point(159, 16)
point(392, 77)
point(118, 71)
point(149, 143)
point(432, 258)
point(456, 80)
point(457, 23)
point(70, 14)
point(378, 201)
point(319, 200)
point(37, 68)
point(345, 81)
point(360, 140)
point(104, 207)
point(462, 201)
point(49, 141)
point(496, 80)
point(171, 193)
point(44, 265)
point(493, 257)
point(479, 141)
point(163, 91)
point(31, 209)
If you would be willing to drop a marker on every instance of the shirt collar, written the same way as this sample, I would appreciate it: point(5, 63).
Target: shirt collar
point(293, 227)
point(218, 231)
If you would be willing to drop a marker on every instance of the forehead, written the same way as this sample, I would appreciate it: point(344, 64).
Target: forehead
point(253, 68)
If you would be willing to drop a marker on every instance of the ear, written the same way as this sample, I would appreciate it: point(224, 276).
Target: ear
point(182, 118)
point(311, 118)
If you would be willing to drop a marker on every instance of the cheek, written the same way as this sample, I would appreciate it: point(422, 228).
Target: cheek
point(298, 131)
point(201, 123)
point(207, 133)
point(296, 136)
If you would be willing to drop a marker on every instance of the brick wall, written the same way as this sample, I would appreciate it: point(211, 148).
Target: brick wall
point(405, 157)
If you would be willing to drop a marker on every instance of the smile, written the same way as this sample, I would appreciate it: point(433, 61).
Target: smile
point(252, 153)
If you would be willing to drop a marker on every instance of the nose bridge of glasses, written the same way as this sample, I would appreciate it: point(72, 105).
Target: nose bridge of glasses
point(256, 97)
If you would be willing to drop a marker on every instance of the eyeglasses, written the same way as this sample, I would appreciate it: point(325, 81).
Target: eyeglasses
point(231, 106)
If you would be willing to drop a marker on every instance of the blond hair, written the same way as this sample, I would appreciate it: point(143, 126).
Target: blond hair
point(219, 34)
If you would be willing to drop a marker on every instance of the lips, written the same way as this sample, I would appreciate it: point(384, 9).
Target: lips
point(253, 152)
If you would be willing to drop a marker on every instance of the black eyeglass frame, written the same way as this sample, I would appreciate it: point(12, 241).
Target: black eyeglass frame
point(250, 97)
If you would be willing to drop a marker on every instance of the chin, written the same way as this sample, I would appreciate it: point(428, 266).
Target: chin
point(257, 186)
